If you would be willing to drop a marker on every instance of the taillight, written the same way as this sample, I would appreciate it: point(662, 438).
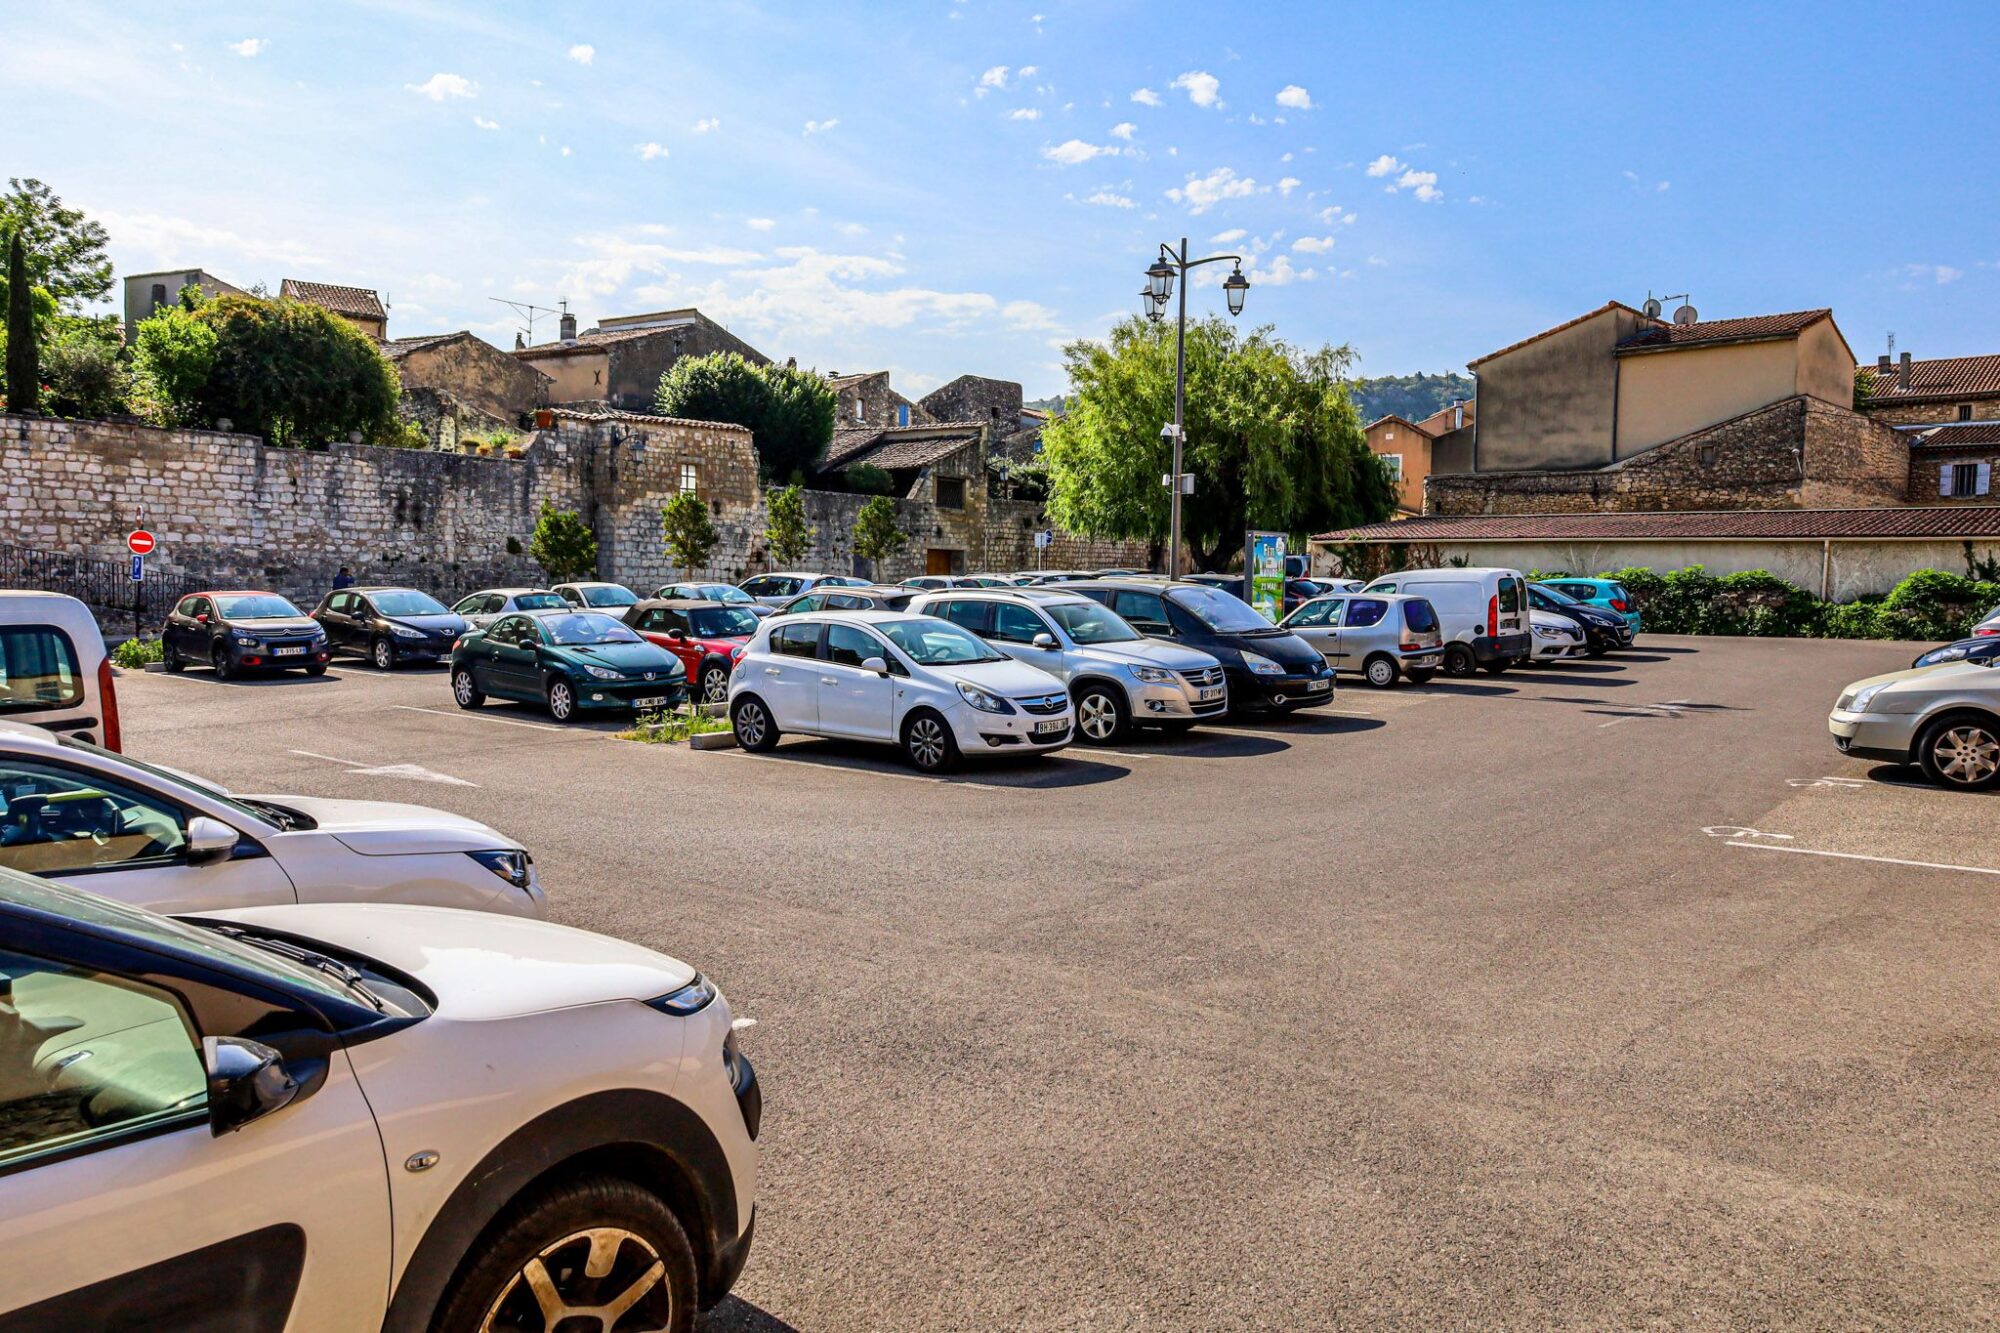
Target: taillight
point(455, 644)
point(1618, 604)
point(108, 695)
point(1493, 617)
point(1409, 647)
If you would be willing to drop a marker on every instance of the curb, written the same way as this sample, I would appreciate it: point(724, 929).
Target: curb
point(713, 740)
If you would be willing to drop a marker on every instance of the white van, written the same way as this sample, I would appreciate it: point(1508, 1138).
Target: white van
point(1483, 614)
point(54, 671)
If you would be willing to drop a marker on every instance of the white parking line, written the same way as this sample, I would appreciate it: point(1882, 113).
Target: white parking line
point(411, 771)
point(1856, 856)
point(838, 768)
point(481, 717)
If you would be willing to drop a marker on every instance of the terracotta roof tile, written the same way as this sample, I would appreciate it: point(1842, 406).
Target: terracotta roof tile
point(1969, 432)
point(1914, 524)
point(398, 348)
point(1703, 332)
point(641, 418)
point(356, 302)
point(898, 446)
point(1944, 377)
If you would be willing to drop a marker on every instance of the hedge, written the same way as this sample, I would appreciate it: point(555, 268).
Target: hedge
point(1929, 604)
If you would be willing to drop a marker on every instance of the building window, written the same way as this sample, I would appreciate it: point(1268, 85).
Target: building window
point(1395, 462)
point(1965, 411)
point(1956, 479)
point(902, 414)
point(860, 410)
point(951, 492)
point(1709, 453)
point(690, 478)
point(159, 294)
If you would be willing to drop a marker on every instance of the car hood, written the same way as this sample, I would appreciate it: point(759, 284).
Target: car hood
point(1152, 652)
point(1550, 620)
point(435, 625)
point(1945, 678)
point(1287, 649)
point(623, 656)
point(386, 828)
point(481, 965)
point(274, 625)
point(1008, 677)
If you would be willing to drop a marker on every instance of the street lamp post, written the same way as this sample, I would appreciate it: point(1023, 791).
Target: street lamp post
point(1160, 277)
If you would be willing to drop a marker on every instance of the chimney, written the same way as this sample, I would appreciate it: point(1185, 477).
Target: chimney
point(1882, 364)
point(1903, 380)
point(568, 327)
point(1458, 416)
point(519, 341)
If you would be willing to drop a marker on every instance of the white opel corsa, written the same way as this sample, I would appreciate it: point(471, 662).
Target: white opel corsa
point(345, 1117)
point(159, 838)
point(909, 680)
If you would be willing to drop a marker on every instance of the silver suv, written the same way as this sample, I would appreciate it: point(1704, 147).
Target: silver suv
point(1118, 677)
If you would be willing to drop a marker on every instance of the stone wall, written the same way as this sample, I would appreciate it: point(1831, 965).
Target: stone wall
point(473, 372)
point(869, 400)
point(1927, 464)
point(1890, 412)
point(976, 398)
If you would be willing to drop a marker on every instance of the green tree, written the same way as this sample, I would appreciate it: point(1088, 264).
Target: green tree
point(172, 354)
point(1411, 397)
point(85, 376)
point(563, 545)
point(876, 536)
point(65, 250)
point(688, 531)
point(1272, 440)
point(789, 412)
point(24, 377)
point(787, 535)
point(867, 479)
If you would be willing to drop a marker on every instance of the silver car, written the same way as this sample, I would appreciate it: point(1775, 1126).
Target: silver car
point(482, 608)
point(1380, 637)
point(1119, 678)
point(1944, 718)
point(774, 590)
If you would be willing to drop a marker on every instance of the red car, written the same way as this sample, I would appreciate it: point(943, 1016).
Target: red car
point(708, 637)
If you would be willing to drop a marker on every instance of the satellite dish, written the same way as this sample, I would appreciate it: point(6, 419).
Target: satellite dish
point(1652, 308)
point(1685, 315)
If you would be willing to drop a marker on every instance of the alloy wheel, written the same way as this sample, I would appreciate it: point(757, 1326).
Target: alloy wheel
point(927, 742)
point(1967, 755)
point(562, 701)
point(463, 690)
point(714, 685)
point(605, 1278)
point(750, 726)
point(1097, 716)
point(385, 655)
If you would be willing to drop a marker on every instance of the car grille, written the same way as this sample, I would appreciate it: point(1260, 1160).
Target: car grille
point(1044, 704)
point(1206, 678)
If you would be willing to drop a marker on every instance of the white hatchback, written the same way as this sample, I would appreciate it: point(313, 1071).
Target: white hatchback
point(159, 838)
point(914, 681)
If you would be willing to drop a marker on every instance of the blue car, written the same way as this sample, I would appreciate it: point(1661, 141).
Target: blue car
point(1604, 594)
point(1984, 649)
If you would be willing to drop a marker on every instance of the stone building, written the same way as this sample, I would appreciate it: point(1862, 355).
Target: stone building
point(147, 292)
point(457, 384)
point(359, 306)
point(1930, 393)
point(976, 398)
point(942, 465)
point(619, 363)
point(1441, 442)
point(868, 400)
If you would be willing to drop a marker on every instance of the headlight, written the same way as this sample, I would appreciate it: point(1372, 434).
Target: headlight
point(1860, 702)
point(406, 631)
point(689, 999)
point(983, 700)
point(1152, 675)
point(510, 866)
point(603, 673)
point(1261, 665)
point(246, 641)
point(1548, 633)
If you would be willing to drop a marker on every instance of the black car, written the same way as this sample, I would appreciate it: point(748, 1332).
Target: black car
point(1602, 630)
point(1298, 591)
point(389, 625)
point(1986, 648)
point(869, 597)
point(242, 631)
point(1266, 667)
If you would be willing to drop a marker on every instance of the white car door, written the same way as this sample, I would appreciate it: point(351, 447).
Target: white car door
point(113, 836)
point(853, 701)
point(788, 675)
point(1318, 623)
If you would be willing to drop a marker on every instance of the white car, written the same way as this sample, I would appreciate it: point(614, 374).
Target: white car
point(1554, 637)
point(343, 1116)
point(482, 608)
point(54, 671)
point(159, 838)
point(909, 680)
point(1119, 678)
point(612, 597)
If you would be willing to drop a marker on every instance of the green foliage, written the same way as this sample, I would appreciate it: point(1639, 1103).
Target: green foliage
point(789, 411)
point(173, 353)
point(85, 377)
point(876, 536)
point(672, 728)
point(1927, 605)
point(513, 546)
point(1272, 440)
point(399, 434)
point(688, 532)
point(788, 537)
point(563, 545)
point(1411, 397)
point(65, 250)
point(867, 479)
point(24, 378)
point(1864, 384)
point(1984, 568)
point(133, 654)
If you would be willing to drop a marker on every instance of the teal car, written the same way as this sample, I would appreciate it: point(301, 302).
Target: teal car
point(1604, 594)
point(570, 661)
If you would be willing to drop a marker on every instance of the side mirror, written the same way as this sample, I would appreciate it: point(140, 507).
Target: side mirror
point(1044, 641)
point(876, 665)
point(201, 619)
point(209, 840)
point(246, 1081)
point(675, 635)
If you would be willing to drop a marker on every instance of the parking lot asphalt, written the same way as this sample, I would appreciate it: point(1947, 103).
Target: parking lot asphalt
point(1599, 995)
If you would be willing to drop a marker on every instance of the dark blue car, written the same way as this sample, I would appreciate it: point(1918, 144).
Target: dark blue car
point(1267, 668)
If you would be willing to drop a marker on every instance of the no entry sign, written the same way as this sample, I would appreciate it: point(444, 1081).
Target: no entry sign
point(139, 542)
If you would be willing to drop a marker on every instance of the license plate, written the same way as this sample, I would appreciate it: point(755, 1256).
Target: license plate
point(287, 652)
point(1421, 662)
point(1051, 728)
point(1211, 694)
point(1319, 684)
point(657, 701)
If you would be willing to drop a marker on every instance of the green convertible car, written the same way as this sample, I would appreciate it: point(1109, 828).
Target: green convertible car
point(571, 661)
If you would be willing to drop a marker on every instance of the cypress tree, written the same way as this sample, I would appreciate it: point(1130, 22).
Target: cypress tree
point(24, 375)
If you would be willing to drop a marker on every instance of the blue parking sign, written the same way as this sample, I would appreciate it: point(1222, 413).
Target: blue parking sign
point(138, 568)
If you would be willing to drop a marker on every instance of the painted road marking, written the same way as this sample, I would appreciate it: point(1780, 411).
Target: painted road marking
point(1839, 784)
point(1740, 831)
point(481, 717)
point(1670, 709)
point(410, 771)
point(1857, 856)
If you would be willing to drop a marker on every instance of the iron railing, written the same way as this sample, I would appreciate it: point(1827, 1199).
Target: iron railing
point(106, 586)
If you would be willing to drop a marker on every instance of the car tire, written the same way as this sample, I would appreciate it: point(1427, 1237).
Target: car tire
point(1459, 663)
point(756, 730)
point(1596, 650)
point(1422, 677)
point(1380, 671)
point(562, 700)
point(465, 691)
point(171, 660)
point(1101, 716)
point(714, 682)
point(1961, 752)
point(219, 659)
point(551, 1236)
point(316, 669)
point(383, 654)
point(928, 742)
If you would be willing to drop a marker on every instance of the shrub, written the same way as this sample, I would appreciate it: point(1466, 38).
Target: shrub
point(84, 378)
point(867, 479)
point(1929, 604)
point(563, 545)
point(876, 536)
point(687, 531)
point(133, 654)
point(672, 728)
point(788, 535)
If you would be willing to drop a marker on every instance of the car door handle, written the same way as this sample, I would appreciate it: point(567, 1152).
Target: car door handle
point(829, 680)
point(770, 671)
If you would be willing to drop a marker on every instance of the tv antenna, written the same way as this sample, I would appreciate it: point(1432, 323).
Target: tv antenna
point(528, 312)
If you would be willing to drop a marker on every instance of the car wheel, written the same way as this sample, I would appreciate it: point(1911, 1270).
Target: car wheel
point(171, 660)
point(1459, 663)
point(383, 654)
point(597, 1253)
point(927, 740)
point(1380, 672)
point(1101, 718)
point(316, 669)
point(1961, 752)
point(714, 683)
point(218, 658)
point(562, 700)
point(755, 730)
point(465, 691)
point(1420, 677)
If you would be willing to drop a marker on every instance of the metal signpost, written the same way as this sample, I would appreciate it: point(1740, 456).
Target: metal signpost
point(1264, 573)
point(141, 544)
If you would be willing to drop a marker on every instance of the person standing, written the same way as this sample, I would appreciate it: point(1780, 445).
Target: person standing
point(344, 579)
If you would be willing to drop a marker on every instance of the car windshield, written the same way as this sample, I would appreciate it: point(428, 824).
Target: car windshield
point(722, 592)
point(407, 602)
point(607, 595)
point(937, 643)
point(583, 629)
point(261, 606)
point(1219, 611)
point(722, 622)
point(1559, 598)
point(539, 601)
point(1087, 623)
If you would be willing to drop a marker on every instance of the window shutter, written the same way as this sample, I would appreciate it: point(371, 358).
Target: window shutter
point(1985, 483)
point(1944, 479)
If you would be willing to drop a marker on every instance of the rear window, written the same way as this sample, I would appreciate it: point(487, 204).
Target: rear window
point(1420, 616)
point(1365, 611)
point(1618, 593)
point(1510, 594)
point(38, 669)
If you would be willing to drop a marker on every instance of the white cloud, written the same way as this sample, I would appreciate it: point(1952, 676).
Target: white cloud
point(1109, 199)
point(249, 46)
point(1288, 184)
point(1230, 237)
point(611, 259)
point(1376, 261)
point(1295, 97)
point(821, 126)
point(440, 86)
point(1146, 97)
point(565, 150)
point(1422, 183)
point(1940, 274)
point(485, 124)
point(1025, 113)
point(1124, 129)
point(160, 239)
point(583, 53)
point(706, 124)
point(1649, 187)
point(1202, 193)
point(1074, 152)
point(649, 151)
point(1028, 315)
point(851, 229)
point(1030, 71)
point(1201, 87)
point(760, 224)
point(1384, 166)
point(1313, 245)
point(1946, 273)
point(992, 79)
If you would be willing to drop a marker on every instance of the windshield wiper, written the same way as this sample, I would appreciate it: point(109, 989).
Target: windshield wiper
point(333, 967)
point(284, 819)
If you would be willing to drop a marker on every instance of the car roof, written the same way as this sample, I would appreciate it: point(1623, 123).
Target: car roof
point(382, 587)
point(546, 611)
point(590, 583)
point(873, 615)
point(27, 733)
point(503, 592)
point(673, 604)
point(1053, 592)
point(795, 574)
point(237, 592)
point(1139, 583)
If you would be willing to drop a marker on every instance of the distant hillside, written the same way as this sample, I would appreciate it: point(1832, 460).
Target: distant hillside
point(1412, 397)
point(1052, 405)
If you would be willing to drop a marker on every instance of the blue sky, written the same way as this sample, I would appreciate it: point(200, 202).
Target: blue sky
point(949, 186)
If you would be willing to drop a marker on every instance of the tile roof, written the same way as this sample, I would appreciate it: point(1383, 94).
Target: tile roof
point(1886, 523)
point(641, 418)
point(356, 302)
point(1708, 331)
point(1944, 377)
point(1395, 418)
point(1440, 421)
point(1967, 432)
point(899, 446)
point(398, 348)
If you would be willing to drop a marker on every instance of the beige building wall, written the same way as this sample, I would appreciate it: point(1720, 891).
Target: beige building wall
point(1664, 395)
point(1553, 401)
point(1826, 364)
point(1397, 437)
point(575, 377)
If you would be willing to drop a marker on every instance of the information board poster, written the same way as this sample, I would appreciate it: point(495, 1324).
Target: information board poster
point(1264, 571)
